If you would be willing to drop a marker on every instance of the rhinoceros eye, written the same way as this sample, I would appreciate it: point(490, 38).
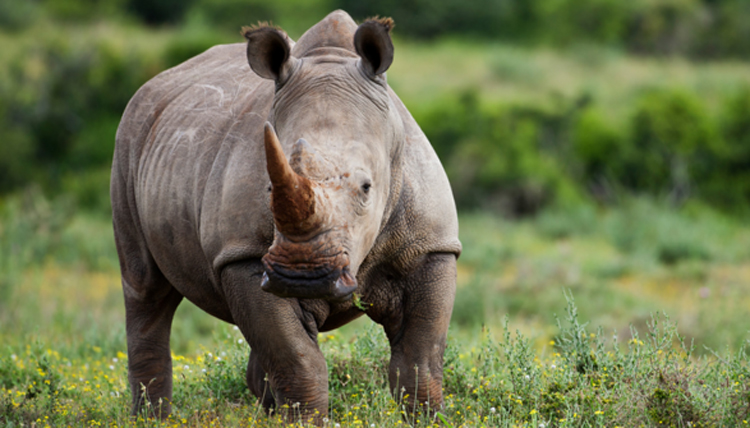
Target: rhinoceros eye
point(366, 186)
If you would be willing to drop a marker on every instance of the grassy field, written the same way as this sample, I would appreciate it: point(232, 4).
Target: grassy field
point(559, 320)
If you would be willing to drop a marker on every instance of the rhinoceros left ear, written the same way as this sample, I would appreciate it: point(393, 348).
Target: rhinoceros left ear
point(373, 43)
point(268, 52)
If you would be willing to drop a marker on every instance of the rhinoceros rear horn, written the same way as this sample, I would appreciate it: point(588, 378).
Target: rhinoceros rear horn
point(373, 43)
point(292, 196)
point(268, 52)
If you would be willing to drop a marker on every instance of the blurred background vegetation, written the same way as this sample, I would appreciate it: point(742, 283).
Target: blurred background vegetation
point(70, 66)
point(597, 145)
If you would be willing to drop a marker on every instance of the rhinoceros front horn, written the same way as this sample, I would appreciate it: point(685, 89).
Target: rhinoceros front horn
point(292, 196)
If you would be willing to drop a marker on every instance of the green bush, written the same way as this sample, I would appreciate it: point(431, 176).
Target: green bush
point(519, 158)
point(730, 33)
point(17, 148)
point(502, 158)
point(605, 21)
point(79, 11)
point(15, 15)
point(89, 189)
point(195, 38)
point(233, 14)
point(60, 103)
point(427, 19)
point(728, 183)
point(654, 27)
point(597, 147)
point(159, 12)
point(671, 134)
point(666, 26)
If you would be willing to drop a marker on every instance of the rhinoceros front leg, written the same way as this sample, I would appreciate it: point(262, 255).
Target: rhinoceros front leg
point(284, 346)
point(418, 334)
point(148, 317)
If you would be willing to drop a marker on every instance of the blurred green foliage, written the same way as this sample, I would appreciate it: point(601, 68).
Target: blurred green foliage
point(60, 103)
point(61, 97)
point(504, 157)
point(517, 159)
point(702, 28)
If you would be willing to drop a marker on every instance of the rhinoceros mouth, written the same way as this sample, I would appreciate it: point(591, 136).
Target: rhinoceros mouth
point(323, 282)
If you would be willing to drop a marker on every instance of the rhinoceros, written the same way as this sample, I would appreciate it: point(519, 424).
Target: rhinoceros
point(279, 197)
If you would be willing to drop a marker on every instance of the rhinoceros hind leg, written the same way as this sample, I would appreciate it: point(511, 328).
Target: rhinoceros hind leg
point(148, 323)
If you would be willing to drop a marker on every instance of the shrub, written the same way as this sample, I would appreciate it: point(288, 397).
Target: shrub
point(60, 103)
point(428, 19)
point(605, 21)
point(15, 16)
point(730, 32)
point(727, 183)
point(654, 27)
point(597, 148)
point(16, 154)
point(195, 38)
point(502, 158)
point(665, 26)
point(159, 12)
point(670, 133)
point(231, 15)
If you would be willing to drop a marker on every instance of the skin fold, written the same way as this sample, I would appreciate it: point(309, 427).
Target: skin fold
point(268, 195)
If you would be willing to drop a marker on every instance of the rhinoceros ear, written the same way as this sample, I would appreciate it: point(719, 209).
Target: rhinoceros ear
point(373, 43)
point(268, 52)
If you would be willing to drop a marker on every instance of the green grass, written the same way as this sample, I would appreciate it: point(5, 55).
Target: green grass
point(582, 378)
point(621, 265)
point(612, 360)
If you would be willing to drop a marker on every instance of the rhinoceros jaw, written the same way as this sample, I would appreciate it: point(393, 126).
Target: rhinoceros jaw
point(336, 286)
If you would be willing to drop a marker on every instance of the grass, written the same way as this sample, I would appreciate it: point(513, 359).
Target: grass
point(511, 362)
point(622, 265)
point(582, 378)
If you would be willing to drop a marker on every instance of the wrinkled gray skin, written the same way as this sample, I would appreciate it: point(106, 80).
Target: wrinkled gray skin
point(192, 206)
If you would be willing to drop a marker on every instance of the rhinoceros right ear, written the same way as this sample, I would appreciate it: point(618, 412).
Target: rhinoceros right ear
point(268, 52)
point(372, 40)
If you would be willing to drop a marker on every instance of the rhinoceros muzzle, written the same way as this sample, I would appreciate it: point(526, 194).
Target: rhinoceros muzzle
point(321, 283)
point(300, 267)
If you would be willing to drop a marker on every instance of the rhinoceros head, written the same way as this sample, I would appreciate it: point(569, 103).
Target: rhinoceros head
point(342, 133)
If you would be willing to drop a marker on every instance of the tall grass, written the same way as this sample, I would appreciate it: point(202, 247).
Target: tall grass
point(581, 378)
point(621, 264)
point(511, 361)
